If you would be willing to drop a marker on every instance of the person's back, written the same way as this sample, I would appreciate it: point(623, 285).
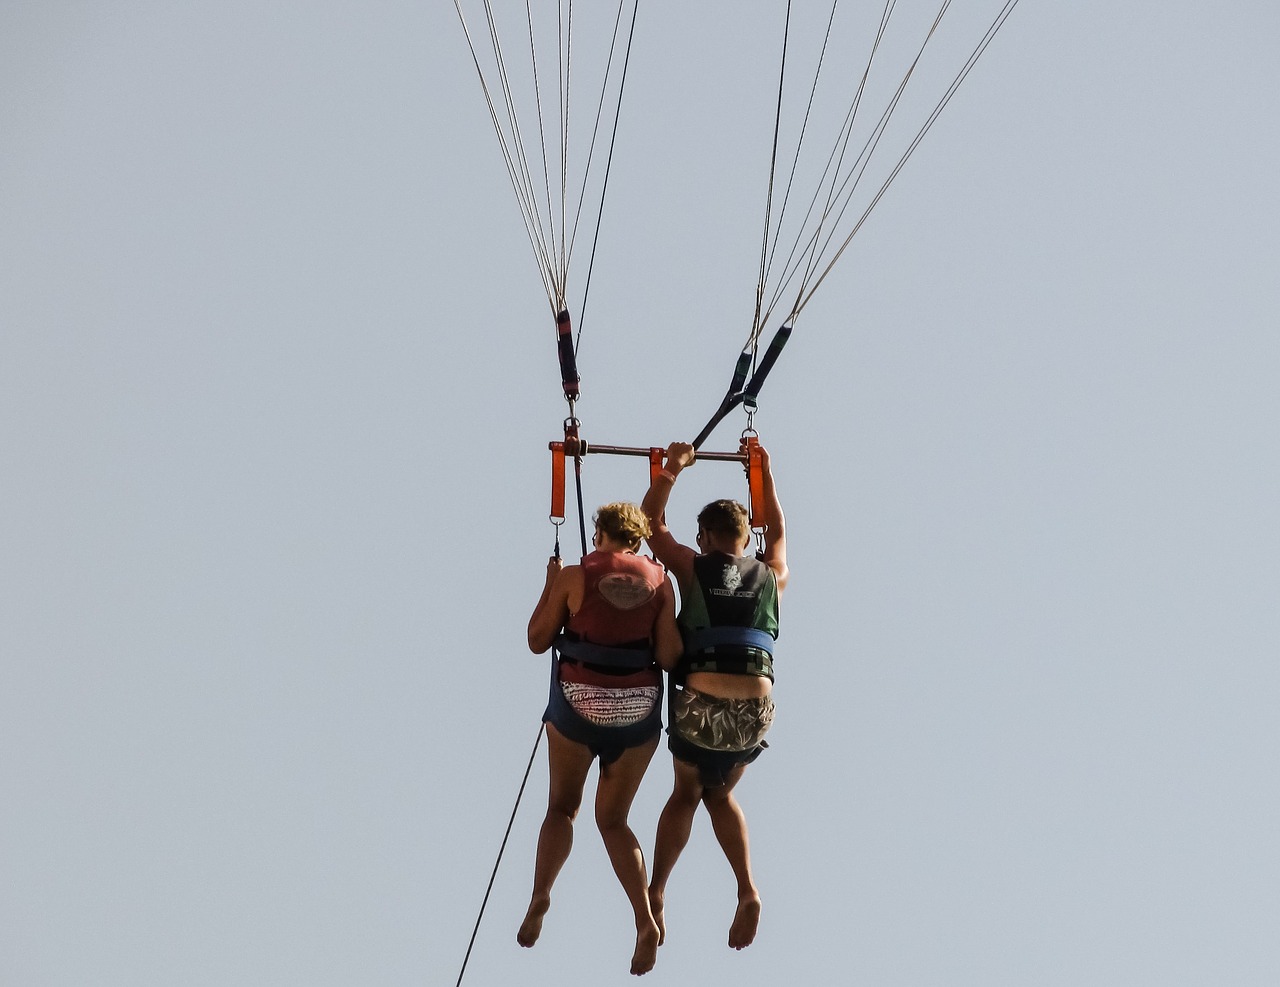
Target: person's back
point(620, 598)
point(729, 619)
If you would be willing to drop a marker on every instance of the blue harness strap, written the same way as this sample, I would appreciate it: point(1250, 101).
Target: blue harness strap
point(600, 654)
point(707, 639)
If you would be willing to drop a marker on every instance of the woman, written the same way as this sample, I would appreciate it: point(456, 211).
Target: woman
point(613, 621)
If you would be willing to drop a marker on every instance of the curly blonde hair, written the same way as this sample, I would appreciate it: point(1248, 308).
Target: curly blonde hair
point(623, 522)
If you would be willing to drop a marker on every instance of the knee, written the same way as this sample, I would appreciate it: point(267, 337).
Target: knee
point(566, 809)
point(684, 797)
point(609, 822)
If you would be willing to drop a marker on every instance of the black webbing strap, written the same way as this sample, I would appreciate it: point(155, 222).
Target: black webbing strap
point(737, 394)
point(601, 654)
point(569, 378)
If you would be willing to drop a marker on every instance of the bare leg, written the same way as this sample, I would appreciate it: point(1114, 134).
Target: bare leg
point(674, 826)
point(568, 763)
point(730, 826)
point(614, 795)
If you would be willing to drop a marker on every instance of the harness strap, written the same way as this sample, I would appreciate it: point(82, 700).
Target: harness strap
point(736, 395)
point(655, 463)
point(732, 397)
point(601, 654)
point(569, 378)
point(755, 481)
point(767, 361)
point(707, 639)
point(557, 482)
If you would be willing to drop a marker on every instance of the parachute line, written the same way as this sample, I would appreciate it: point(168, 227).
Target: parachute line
point(959, 79)
point(754, 339)
point(844, 193)
point(608, 168)
point(552, 205)
point(516, 164)
point(795, 162)
point(818, 240)
point(835, 158)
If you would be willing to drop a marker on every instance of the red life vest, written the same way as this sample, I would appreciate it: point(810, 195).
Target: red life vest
point(620, 600)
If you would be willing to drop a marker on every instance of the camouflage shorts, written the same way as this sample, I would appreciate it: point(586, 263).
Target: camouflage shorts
point(721, 724)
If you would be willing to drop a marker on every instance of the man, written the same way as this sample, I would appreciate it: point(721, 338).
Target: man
point(721, 705)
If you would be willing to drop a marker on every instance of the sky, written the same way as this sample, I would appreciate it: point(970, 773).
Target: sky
point(277, 378)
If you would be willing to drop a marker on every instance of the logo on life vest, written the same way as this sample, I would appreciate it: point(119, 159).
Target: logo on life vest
point(623, 591)
point(731, 576)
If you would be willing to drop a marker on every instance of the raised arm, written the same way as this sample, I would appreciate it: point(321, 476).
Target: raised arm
point(775, 534)
point(676, 557)
point(552, 610)
point(668, 646)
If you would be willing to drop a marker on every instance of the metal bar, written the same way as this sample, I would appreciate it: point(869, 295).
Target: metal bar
point(723, 457)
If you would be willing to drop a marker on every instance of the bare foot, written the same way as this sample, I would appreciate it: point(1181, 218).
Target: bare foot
point(531, 927)
point(655, 906)
point(745, 920)
point(646, 954)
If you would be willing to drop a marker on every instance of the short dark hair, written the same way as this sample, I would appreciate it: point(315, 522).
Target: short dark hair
point(725, 517)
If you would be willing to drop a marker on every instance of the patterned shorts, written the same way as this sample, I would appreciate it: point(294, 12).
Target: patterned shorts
point(611, 707)
point(721, 724)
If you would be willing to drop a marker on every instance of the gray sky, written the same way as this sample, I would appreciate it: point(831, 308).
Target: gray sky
point(276, 383)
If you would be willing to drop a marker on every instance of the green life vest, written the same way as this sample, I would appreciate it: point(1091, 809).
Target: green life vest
point(729, 616)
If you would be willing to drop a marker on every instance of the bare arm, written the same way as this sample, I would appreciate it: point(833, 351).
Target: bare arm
point(676, 557)
point(667, 644)
point(552, 611)
point(775, 535)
